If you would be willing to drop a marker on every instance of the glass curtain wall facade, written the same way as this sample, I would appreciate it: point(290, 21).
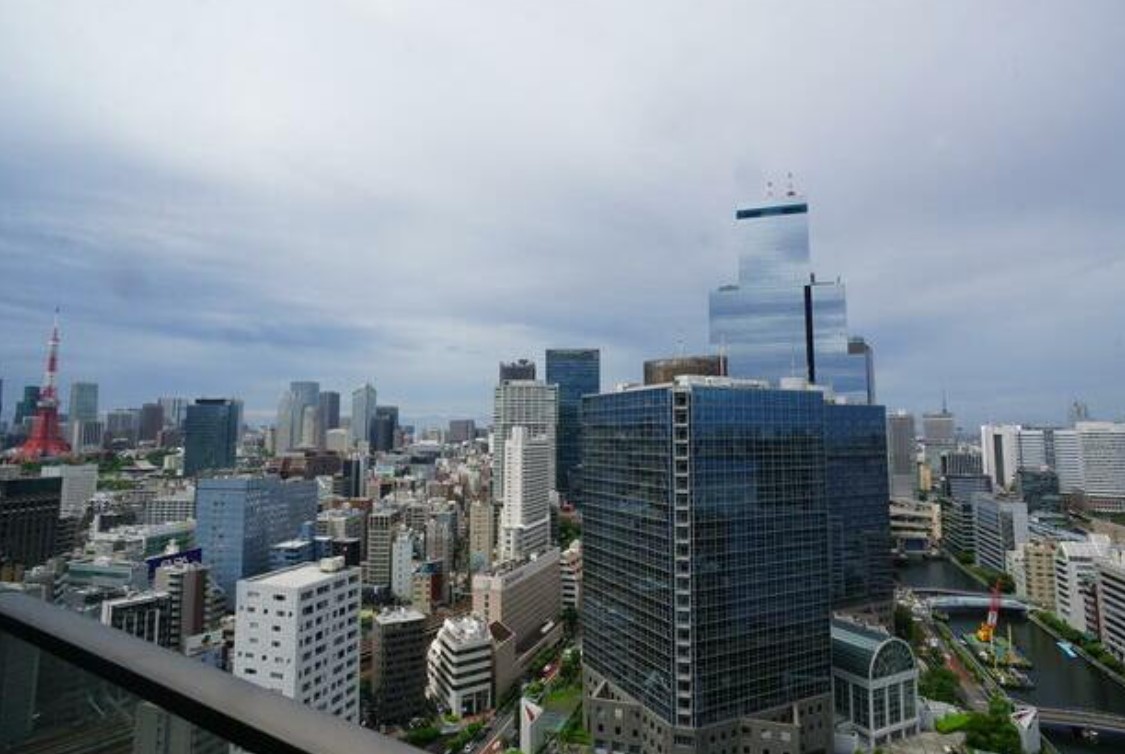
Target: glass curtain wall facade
point(859, 518)
point(210, 435)
point(778, 320)
point(705, 535)
point(577, 372)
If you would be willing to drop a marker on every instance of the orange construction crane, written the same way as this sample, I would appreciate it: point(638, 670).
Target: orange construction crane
point(988, 628)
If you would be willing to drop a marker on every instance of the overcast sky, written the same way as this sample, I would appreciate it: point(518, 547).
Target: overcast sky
point(223, 197)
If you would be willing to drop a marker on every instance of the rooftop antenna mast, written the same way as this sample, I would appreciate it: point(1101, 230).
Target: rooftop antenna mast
point(790, 190)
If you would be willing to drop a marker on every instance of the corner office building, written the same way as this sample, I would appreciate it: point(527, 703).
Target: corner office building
point(707, 585)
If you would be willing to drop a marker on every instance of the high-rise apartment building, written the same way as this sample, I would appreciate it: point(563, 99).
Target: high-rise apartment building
point(29, 516)
point(779, 320)
point(528, 404)
point(706, 576)
point(398, 666)
point(1034, 572)
point(191, 607)
point(210, 435)
point(382, 526)
point(79, 483)
point(521, 369)
point(240, 517)
point(525, 518)
point(482, 535)
point(902, 460)
point(297, 633)
point(576, 372)
point(402, 564)
point(83, 402)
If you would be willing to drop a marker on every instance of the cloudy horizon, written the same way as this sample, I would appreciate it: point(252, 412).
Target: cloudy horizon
point(222, 201)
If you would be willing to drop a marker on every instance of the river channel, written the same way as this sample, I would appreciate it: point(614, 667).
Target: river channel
point(1059, 680)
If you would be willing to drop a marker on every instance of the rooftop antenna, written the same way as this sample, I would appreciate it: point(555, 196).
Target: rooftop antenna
point(790, 191)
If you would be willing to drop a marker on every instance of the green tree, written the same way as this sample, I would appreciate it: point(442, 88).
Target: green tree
point(994, 731)
point(939, 684)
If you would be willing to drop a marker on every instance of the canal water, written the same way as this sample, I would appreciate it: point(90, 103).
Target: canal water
point(1059, 680)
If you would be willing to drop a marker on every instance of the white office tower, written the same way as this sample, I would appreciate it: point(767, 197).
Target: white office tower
point(297, 633)
point(363, 414)
point(291, 414)
point(1074, 564)
point(525, 519)
point(530, 404)
point(999, 447)
point(79, 483)
point(1031, 449)
point(1068, 461)
point(999, 527)
point(1102, 448)
point(402, 564)
point(459, 666)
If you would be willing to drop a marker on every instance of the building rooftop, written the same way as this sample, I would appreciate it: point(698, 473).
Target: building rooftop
point(298, 576)
point(399, 615)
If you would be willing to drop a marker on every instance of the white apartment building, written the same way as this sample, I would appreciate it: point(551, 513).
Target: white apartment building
point(570, 568)
point(1111, 590)
point(297, 632)
point(525, 519)
point(522, 403)
point(1074, 561)
point(402, 564)
point(459, 666)
point(1000, 453)
point(79, 483)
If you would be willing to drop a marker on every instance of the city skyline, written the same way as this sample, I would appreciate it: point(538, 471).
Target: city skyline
point(320, 235)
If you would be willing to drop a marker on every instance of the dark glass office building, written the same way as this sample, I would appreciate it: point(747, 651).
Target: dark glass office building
point(210, 435)
point(383, 428)
point(577, 372)
point(522, 369)
point(859, 516)
point(29, 518)
point(706, 585)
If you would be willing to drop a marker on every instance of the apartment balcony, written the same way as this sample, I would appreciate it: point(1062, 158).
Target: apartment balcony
point(70, 685)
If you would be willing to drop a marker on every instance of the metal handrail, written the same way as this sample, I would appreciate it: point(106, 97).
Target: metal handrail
point(244, 714)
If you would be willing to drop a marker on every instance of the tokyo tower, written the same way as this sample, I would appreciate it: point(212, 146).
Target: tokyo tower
point(45, 440)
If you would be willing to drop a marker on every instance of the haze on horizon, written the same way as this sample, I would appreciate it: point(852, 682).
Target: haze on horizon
point(222, 200)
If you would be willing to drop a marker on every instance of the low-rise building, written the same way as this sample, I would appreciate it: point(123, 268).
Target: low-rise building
point(525, 596)
point(146, 615)
point(459, 666)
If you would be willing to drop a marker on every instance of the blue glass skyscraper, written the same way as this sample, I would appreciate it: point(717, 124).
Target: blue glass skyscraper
point(778, 320)
point(706, 585)
point(210, 435)
point(577, 372)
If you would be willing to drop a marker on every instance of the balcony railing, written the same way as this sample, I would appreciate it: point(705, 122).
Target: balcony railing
point(70, 685)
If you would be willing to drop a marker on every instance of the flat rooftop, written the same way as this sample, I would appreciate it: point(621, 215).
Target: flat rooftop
point(298, 576)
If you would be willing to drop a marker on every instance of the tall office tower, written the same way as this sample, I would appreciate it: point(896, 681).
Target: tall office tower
point(576, 372)
point(1078, 411)
point(25, 408)
point(382, 526)
point(525, 518)
point(210, 435)
point(79, 483)
point(706, 575)
point(1068, 460)
point(150, 423)
point(522, 369)
point(961, 462)
point(482, 535)
point(461, 430)
point(1000, 453)
point(999, 527)
point(175, 411)
point(459, 666)
point(778, 320)
point(525, 597)
point(1034, 449)
point(534, 405)
point(29, 516)
point(901, 456)
point(385, 429)
point(859, 348)
point(398, 666)
point(310, 428)
point(239, 517)
point(83, 402)
point(192, 609)
point(1101, 453)
point(297, 633)
point(291, 413)
point(121, 426)
point(363, 414)
point(329, 404)
point(859, 518)
point(87, 436)
point(939, 436)
point(143, 615)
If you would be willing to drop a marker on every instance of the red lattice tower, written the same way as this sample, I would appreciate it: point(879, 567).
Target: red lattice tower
point(45, 440)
